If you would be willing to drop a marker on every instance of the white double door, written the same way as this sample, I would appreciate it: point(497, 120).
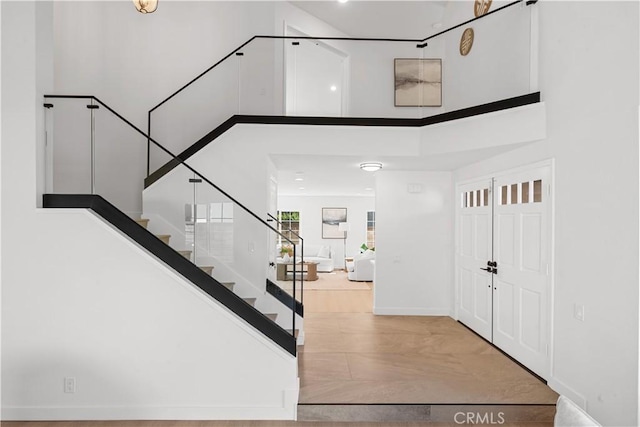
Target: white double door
point(503, 262)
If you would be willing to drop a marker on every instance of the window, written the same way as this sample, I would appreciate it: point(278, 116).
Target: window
point(524, 192)
point(371, 229)
point(209, 230)
point(289, 224)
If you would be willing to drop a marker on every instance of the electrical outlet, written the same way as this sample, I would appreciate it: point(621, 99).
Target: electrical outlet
point(69, 385)
point(578, 312)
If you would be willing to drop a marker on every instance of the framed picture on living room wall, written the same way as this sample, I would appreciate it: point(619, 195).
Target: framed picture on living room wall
point(331, 219)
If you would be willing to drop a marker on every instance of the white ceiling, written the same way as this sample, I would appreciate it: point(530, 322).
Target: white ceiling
point(383, 19)
point(339, 175)
point(334, 175)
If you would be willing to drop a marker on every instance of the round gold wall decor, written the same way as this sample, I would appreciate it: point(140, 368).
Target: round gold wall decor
point(466, 41)
point(481, 7)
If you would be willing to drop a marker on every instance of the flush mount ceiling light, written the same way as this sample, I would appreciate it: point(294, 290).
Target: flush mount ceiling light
point(370, 166)
point(146, 6)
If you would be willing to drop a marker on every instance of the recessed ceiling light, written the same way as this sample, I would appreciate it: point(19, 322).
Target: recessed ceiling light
point(437, 25)
point(342, 1)
point(300, 188)
point(368, 189)
point(299, 176)
point(370, 166)
point(334, 88)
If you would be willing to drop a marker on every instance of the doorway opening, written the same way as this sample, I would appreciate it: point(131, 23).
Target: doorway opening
point(316, 81)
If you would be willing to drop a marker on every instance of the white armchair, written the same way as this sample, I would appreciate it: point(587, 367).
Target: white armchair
point(362, 268)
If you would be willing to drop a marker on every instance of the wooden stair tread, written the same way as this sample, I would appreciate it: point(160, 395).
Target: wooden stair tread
point(271, 316)
point(229, 285)
point(143, 222)
point(186, 254)
point(206, 268)
point(164, 237)
point(250, 301)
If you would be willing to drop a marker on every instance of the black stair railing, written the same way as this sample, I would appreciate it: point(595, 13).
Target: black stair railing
point(100, 152)
point(224, 98)
point(290, 232)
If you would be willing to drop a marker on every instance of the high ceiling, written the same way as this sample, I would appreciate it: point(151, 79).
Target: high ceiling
point(339, 175)
point(384, 19)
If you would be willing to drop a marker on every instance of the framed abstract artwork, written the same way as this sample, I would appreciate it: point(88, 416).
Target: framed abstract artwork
point(331, 219)
point(418, 82)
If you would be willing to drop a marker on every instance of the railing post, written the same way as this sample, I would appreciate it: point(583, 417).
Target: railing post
point(148, 144)
point(293, 304)
point(92, 107)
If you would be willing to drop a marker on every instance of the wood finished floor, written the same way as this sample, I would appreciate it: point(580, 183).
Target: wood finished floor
point(353, 356)
point(350, 355)
point(238, 424)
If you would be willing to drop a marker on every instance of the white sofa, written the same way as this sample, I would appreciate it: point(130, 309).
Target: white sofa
point(363, 267)
point(320, 254)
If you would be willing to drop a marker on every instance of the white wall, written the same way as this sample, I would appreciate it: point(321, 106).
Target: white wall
point(593, 137)
point(132, 62)
point(310, 208)
point(497, 66)
point(140, 341)
point(414, 244)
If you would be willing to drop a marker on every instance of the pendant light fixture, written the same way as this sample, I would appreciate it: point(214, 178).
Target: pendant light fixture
point(146, 6)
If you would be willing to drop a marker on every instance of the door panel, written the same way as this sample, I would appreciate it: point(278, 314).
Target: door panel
point(521, 286)
point(507, 221)
point(474, 250)
point(505, 232)
point(466, 290)
point(482, 292)
point(467, 233)
point(482, 231)
point(505, 309)
point(531, 242)
point(530, 311)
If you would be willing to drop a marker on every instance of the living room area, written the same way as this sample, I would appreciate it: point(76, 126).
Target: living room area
point(338, 232)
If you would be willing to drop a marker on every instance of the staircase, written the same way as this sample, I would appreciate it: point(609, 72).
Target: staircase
point(165, 238)
point(201, 276)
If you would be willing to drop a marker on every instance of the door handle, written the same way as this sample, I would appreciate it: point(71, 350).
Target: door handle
point(490, 270)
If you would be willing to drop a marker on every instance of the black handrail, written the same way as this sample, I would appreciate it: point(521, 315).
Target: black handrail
point(421, 44)
point(179, 263)
point(424, 41)
point(490, 107)
point(175, 158)
point(273, 218)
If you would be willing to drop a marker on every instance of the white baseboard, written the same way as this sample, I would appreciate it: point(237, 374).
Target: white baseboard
point(148, 413)
point(563, 389)
point(411, 311)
